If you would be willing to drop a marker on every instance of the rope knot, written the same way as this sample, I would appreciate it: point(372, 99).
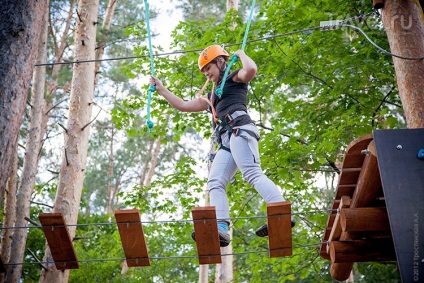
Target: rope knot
point(150, 125)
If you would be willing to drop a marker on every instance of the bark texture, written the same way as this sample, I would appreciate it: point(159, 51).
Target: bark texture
point(32, 150)
point(404, 24)
point(9, 213)
point(20, 28)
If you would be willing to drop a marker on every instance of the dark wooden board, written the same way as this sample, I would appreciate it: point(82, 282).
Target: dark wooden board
point(279, 229)
point(59, 240)
point(402, 176)
point(132, 237)
point(206, 231)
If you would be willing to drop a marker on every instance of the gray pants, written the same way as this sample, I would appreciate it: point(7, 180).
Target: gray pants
point(244, 155)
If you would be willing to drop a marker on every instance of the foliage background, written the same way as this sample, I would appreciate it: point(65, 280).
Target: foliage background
point(315, 92)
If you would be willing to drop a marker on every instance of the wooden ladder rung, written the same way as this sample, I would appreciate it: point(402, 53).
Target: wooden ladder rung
point(132, 237)
point(206, 232)
point(59, 240)
point(279, 229)
point(336, 229)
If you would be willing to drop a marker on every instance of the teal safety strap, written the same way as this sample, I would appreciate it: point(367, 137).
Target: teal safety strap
point(152, 88)
point(234, 56)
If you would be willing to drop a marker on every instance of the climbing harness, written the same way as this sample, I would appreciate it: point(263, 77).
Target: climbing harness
point(234, 56)
point(152, 88)
point(225, 126)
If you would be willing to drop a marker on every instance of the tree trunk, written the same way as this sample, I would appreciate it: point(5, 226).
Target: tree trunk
point(145, 170)
point(224, 271)
point(9, 213)
point(109, 174)
point(99, 54)
point(153, 162)
point(404, 24)
point(232, 4)
point(32, 150)
point(71, 176)
point(20, 28)
point(59, 50)
point(32, 153)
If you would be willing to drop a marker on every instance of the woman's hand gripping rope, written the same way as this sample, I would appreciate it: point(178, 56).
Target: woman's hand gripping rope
point(151, 89)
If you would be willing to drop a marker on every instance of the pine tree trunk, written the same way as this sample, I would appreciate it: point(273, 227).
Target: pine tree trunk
point(19, 31)
point(36, 132)
point(109, 174)
point(232, 4)
point(404, 25)
point(153, 162)
point(32, 150)
point(224, 271)
point(59, 49)
point(72, 171)
point(145, 170)
point(9, 213)
point(99, 55)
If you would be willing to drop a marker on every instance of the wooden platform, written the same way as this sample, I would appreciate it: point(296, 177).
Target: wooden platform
point(206, 231)
point(350, 239)
point(59, 240)
point(132, 237)
point(279, 229)
point(379, 200)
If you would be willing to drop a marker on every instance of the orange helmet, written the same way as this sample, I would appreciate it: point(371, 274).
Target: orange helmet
point(210, 53)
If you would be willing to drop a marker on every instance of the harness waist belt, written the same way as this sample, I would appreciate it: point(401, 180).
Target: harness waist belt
point(230, 118)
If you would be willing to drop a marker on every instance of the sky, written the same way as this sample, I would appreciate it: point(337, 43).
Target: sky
point(162, 26)
point(166, 21)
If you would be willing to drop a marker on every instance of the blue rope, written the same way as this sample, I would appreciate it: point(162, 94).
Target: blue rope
point(234, 56)
point(152, 88)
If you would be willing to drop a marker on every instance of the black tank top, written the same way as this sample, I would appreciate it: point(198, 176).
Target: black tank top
point(234, 98)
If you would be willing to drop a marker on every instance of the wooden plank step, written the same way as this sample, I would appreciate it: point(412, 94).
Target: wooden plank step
point(206, 232)
point(59, 240)
point(132, 237)
point(353, 160)
point(279, 229)
point(349, 176)
point(345, 190)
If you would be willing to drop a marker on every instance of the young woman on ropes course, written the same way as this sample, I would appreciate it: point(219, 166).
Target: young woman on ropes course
point(235, 131)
